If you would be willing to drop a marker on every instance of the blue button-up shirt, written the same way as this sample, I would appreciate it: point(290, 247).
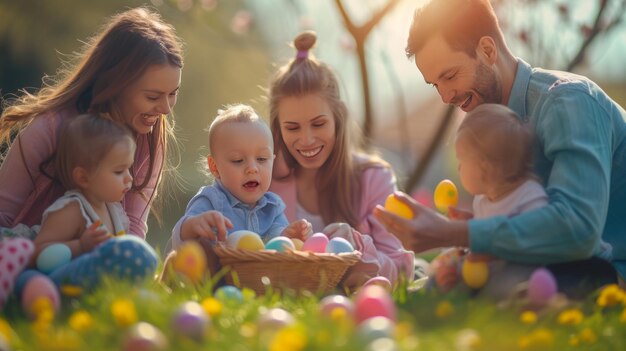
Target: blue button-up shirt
point(267, 218)
point(580, 154)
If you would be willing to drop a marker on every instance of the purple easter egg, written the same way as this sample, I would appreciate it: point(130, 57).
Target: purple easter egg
point(541, 287)
point(191, 320)
point(332, 302)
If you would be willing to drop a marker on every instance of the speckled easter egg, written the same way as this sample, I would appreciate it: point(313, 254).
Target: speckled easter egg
point(244, 240)
point(53, 257)
point(274, 319)
point(339, 245)
point(191, 320)
point(39, 288)
point(332, 303)
point(297, 243)
point(393, 205)
point(144, 337)
point(280, 244)
point(380, 281)
point(445, 195)
point(542, 287)
point(229, 294)
point(316, 243)
point(373, 301)
point(190, 260)
point(475, 273)
point(375, 328)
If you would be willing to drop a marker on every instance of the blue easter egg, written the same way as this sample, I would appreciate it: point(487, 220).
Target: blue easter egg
point(280, 244)
point(53, 257)
point(229, 293)
point(339, 245)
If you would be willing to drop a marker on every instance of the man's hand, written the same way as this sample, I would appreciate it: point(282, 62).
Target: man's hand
point(209, 224)
point(427, 230)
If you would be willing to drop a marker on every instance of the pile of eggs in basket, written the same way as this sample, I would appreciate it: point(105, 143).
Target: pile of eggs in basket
point(317, 243)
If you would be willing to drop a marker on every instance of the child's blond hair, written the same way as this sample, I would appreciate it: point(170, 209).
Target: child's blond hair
point(239, 113)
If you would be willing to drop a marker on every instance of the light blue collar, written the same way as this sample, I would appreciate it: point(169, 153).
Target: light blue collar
point(517, 98)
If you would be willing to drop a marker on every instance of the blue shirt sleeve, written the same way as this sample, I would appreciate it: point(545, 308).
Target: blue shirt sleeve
point(575, 138)
point(278, 219)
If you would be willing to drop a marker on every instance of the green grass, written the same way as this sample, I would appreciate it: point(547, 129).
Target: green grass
point(427, 320)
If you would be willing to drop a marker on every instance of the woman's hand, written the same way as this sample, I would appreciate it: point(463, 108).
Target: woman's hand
point(427, 230)
point(300, 229)
point(341, 230)
point(93, 236)
point(209, 224)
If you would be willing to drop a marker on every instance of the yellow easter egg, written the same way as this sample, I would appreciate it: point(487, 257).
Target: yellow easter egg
point(398, 207)
point(250, 242)
point(190, 260)
point(475, 273)
point(297, 243)
point(445, 195)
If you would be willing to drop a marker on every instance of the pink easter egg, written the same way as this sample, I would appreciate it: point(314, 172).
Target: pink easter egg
point(144, 337)
point(374, 301)
point(316, 243)
point(332, 302)
point(39, 286)
point(380, 281)
point(541, 287)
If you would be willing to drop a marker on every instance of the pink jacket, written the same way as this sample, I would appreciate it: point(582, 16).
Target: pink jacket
point(25, 192)
point(378, 247)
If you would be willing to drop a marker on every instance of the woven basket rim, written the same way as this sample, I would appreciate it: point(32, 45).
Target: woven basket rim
point(239, 255)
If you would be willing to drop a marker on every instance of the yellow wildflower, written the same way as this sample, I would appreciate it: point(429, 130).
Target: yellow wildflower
point(123, 311)
point(573, 340)
point(539, 339)
point(41, 305)
point(61, 340)
point(444, 309)
point(588, 336)
point(5, 330)
point(572, 316)
point(528, 317)
point(212, 306)
point(71, 290)
point(290, 338)
point(610, 295)
point(81, 321)
point(248, 330)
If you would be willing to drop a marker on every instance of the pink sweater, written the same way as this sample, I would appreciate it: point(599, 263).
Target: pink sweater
point(25, 192)
point(378, 247)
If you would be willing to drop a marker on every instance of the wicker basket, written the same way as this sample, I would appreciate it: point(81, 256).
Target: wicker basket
point(293, 270)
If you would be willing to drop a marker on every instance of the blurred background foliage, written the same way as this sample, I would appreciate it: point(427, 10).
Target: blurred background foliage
point(233, 46)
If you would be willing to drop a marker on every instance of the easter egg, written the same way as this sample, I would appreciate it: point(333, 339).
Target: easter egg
point(375, 328)
point(383, 344)
point(191, 320)
point(445, 269)
point(475, 273)
point(244, 240)
point(23, 278)
point(53, 257)
point(445, 195)
point(373, 301)
point(297, 243)
point(229, 293)
point(38, 293)
point(144, 337)
point(274, 319)
point(542, 287)
point(393, 205)
point(332, 304)
point(380, 281)
point(316, 243)
point(339, 245)
point(280, 244)
point(190, 260)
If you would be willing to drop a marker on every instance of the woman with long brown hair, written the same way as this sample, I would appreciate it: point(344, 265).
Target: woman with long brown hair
point(318, 172)
point(130, 71)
